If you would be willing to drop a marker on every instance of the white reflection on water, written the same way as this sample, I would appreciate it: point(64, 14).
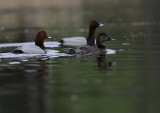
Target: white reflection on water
point(110, 51)
point(14, 62)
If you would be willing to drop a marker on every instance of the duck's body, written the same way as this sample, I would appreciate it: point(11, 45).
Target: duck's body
point(38, 48)
point(90, 40)
point(74, 41)
point(92, 50)
point(29, 49)
point(87, 50)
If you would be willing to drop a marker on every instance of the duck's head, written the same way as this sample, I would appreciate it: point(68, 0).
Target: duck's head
point(40, 37)
point(94, 24)
point(101, 39)
point(92, 27)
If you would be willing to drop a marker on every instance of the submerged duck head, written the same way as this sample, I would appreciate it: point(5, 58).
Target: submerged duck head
point(101, 39)
point(92, 27)
point(40, 37)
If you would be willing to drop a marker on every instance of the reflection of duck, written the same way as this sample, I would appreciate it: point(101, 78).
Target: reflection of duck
point(102, 62)
point(38, 48)
point(37, 88)
point(82, 40)
point(93, 50)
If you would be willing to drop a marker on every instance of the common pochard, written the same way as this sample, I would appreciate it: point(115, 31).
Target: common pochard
point(38, 48)
point(90, 40)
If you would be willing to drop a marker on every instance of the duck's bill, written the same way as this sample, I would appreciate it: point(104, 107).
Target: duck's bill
point(49, 37)
point(101, 25)
point(111, 39)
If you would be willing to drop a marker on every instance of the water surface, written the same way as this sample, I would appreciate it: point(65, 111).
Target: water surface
point(125, 82)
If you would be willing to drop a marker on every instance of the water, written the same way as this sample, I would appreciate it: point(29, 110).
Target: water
point(124, 82)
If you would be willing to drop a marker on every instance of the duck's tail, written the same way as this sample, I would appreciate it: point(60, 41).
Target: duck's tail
point(17, 51)
point(61, 41)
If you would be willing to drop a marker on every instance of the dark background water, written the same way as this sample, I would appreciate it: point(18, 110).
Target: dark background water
point(125, 82)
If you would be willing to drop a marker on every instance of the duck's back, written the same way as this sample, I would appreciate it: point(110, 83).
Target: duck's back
point(29, 49)
point(87, 51)
point(74, 41)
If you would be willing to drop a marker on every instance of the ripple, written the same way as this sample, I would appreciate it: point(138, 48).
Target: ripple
point(30, 71)
point(125, 43)
point(14, 63)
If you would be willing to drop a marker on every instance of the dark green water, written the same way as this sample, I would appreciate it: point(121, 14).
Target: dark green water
point(125, 82)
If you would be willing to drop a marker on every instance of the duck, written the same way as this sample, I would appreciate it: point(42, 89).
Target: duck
point(92, 50)
point(90, 40)
point(38, 48)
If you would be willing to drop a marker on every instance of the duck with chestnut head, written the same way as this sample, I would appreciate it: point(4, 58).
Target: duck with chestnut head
point(38, 48)
point(90, 40)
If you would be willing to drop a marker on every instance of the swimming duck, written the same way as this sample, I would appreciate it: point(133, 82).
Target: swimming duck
point(82, 40)
point(93, 50)
point(38, 48)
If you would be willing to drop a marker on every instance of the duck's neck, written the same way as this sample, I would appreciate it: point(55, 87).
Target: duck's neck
point(91, 39)
point(39, 42)
point(100, 45)
point(40, 45)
